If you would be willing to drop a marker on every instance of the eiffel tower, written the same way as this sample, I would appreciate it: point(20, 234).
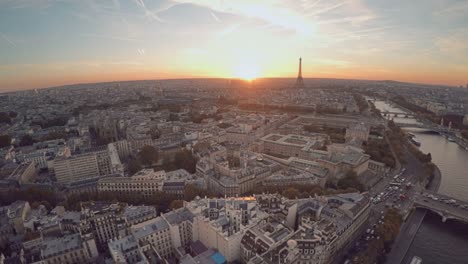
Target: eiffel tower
point(299, 82)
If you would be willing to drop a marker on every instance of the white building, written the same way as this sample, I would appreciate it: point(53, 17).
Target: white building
point(146, 182)
point(157, 233)
point(116, 165)
point(76, 167)
point(221, 223)
point(357, 133)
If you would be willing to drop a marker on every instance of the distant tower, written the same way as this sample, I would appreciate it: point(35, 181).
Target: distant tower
point(299, 81)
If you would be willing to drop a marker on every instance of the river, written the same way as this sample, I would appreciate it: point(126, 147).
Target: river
point(437, 242)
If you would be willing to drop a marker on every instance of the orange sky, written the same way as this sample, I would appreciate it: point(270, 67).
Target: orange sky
point(47, 43)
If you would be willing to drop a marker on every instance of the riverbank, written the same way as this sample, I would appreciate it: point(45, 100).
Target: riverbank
point(434, 183)
point(410, 227)
point(406, 236)
point(436, 242)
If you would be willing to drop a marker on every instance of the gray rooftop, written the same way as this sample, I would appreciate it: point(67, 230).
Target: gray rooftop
point(146, 228)
point(60, 245)
point(179, 215)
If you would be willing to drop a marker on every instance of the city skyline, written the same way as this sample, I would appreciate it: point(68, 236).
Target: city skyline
point(50, 43)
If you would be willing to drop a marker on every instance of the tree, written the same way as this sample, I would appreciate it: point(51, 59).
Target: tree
point(5, 141)
point(331, 183)
point(176, 204)
point(291, 193)
point(224, 125)
point(31, 194)
point(173, 117)
point(350, 181)
point(148, 155)
point(26, 140)
point(5, 118)
point(387, 232)
point(134, 166)
point(185, 160)
point(154, 133)
point(54, 135)
point(191, 191)
point(47, 205)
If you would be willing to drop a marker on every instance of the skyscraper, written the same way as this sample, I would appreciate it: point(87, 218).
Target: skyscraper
point(299, 82)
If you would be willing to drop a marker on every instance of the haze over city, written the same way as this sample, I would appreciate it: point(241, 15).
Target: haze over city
point(47, 43)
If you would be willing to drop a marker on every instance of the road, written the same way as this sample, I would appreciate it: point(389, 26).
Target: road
point(406, 236)
point(446, 205)
point(411, 172)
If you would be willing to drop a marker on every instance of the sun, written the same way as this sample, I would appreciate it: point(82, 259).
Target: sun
point(248, 72)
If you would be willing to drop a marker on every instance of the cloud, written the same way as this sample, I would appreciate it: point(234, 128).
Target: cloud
point(20, 4)
point(334, 62)
point(148, 13)
point(351, 19)
point(110, 37)
point(215, 17)
point(298, 15)
point(7, 39)
point(458, 8)
point(454, 44)
point(327, 8)
point(116, 4)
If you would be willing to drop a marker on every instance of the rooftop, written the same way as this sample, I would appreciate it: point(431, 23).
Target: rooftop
point(178, 216)
point(60, 245)
point(146, 228)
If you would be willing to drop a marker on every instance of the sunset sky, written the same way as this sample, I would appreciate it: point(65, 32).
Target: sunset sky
point(47, 43)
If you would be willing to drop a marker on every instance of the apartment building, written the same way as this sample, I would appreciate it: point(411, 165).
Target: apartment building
point(104, 220)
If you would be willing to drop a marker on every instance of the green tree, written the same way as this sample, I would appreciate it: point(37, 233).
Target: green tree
point(176, 204)
point(173, 117)
point(350, 181)
point(5, 141)
point(5, 118)
point(224, 125)
point(54, 135)
point(191, 191)
point(185, 160)
point(26, 140)
point(148, 155)
point(134, 166)
point(291, 193)
point(154, 133)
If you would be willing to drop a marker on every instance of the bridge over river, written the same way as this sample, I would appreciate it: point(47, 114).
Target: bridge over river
point(397, 114)
point(447, 207)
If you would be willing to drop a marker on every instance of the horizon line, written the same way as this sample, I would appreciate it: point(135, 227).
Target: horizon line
point(226, 78)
